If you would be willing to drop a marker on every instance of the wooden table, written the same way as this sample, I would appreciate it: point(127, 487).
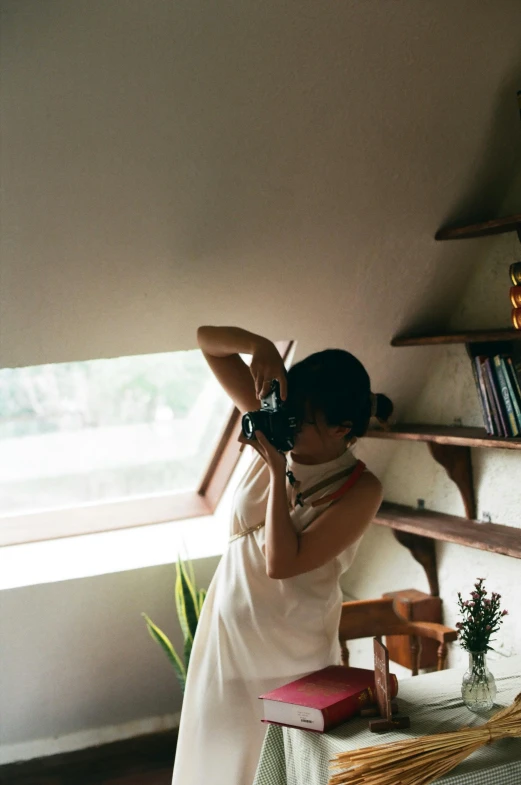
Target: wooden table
point(291, 756)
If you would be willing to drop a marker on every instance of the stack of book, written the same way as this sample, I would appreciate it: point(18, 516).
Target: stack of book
point(498, 382)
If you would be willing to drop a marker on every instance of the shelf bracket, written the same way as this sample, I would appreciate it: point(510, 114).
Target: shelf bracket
point(457, 463)
point(423, 549)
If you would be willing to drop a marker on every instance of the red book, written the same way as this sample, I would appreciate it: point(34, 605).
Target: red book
point(323, 699)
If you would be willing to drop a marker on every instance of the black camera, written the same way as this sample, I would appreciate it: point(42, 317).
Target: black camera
point(273, 420)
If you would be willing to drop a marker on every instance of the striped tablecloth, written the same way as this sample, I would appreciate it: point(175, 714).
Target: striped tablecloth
point(433, 702)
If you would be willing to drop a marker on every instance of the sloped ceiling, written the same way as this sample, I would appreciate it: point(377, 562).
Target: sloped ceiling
point(278, 165)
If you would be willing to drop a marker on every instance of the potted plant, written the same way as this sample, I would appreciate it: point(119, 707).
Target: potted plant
point(189, 602)
point(481, 617)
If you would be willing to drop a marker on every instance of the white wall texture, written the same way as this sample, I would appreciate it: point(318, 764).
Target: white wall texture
point(169, 164)
point(280, 165)
point(79, 667)
point(411, 474)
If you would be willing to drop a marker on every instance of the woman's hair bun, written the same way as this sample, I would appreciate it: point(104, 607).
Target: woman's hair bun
point(384, 407)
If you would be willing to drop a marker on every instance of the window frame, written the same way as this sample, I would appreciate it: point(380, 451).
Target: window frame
point(141, 511)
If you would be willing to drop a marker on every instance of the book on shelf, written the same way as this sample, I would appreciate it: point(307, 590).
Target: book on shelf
point(514, 361)
point(482, 395)
point(500, 427)
point(515, 381)
point(497, 375)
point(500, 402)
point(513, 404)
point(504, 396)
point(323, 699)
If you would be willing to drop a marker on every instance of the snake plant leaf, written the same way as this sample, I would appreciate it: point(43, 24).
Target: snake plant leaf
point(201, 598)
point(187, 652)
point(180, 606)
point(187, 599)
point(189, 602)
point(184, 603)
point(160, 637)
point(189, 567)
point(188, 572)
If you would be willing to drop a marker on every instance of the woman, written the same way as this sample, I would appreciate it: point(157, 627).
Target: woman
point(272, 610)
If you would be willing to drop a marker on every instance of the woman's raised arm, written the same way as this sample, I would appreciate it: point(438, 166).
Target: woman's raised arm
point(222, 347)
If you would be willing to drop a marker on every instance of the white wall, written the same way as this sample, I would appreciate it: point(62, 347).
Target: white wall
point(411, 474)
point(78, 666)
point(284, 165)
point(167, 164)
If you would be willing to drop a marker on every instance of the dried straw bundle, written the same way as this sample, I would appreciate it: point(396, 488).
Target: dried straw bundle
point(420, 761)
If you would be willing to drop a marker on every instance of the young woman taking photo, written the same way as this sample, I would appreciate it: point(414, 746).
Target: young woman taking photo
point(273, 607)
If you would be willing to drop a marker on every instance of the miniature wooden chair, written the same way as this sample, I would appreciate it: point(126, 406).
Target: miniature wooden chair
point(370, 618)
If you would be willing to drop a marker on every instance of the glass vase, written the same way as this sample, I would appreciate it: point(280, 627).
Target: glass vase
point(478, 688)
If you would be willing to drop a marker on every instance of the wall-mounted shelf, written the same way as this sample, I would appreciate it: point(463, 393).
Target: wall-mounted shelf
point(450, 528)
point(450, 446)
point(446, 434)
point(469, 336)
point(417, 529)
point(510, 223)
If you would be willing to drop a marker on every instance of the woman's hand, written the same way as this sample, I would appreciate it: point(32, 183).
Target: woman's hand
point(266, 365)
point(275, 460)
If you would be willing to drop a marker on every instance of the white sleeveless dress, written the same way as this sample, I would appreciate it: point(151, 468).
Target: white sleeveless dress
point(255, 633)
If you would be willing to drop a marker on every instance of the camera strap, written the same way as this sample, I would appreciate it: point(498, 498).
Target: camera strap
point(298, 497)
point(353, 473)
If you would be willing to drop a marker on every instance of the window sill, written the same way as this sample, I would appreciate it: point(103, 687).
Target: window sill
point(101, 553)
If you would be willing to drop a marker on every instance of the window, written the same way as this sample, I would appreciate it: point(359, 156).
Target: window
point(88, 446)
point(87, 432)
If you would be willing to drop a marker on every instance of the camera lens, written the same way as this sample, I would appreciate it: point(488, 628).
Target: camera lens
point(248, 427)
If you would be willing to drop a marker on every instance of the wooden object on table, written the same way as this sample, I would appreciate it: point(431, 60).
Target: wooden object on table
point(383, 693)
point(370, 618)
point(414, 605)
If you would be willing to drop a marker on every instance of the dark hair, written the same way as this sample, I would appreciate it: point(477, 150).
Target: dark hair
point(335, 383)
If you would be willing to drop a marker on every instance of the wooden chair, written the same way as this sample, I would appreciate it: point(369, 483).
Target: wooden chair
point(370, 618)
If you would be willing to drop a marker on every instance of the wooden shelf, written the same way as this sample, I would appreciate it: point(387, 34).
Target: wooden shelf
point(451, 445)
point(511, 223)
point(446, 434)
point(450, 528)
point(469, 336)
